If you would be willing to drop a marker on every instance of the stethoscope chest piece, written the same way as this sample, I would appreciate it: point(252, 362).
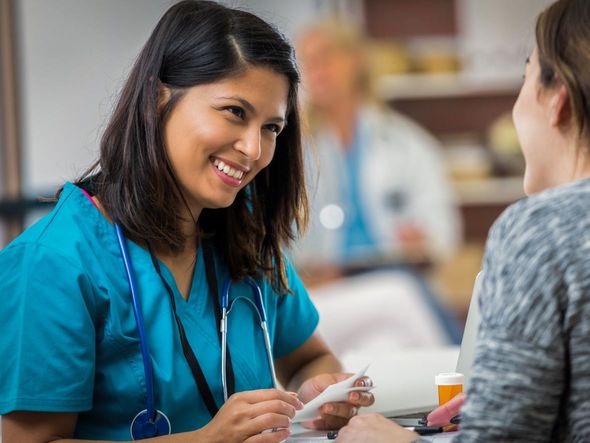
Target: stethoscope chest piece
point(143, 426)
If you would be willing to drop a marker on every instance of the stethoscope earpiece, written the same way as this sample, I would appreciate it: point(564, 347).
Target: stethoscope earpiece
point(143, 426)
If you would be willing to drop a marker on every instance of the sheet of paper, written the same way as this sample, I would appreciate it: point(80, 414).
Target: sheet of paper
point(333, 393)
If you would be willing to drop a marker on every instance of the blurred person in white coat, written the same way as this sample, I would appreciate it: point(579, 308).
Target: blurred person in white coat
point(378, 185)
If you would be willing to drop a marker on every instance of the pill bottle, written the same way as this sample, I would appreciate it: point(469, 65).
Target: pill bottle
point(449, 384)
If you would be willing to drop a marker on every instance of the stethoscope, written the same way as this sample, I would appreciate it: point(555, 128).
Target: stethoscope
point(258, 306)
point(152, 422)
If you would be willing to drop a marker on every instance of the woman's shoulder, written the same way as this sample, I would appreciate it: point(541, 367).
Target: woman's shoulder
point(537, 264)
point(70, 227)
point(557, 213)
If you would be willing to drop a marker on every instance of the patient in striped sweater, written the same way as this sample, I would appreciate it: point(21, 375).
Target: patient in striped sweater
point(531, 375)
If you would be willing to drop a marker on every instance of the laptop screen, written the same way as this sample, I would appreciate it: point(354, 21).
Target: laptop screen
point(467, 351)
point(464, 361)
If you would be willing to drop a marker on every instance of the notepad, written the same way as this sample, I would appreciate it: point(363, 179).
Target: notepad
point(333, 393)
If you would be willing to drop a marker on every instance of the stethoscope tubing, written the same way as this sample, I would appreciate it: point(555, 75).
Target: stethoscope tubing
point(145, 353)
point(259, 306)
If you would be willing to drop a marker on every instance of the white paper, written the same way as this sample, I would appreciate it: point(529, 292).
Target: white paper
point(333, 393)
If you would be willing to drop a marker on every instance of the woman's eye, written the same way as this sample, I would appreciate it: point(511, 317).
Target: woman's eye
point(274, 128)
point(237, 111)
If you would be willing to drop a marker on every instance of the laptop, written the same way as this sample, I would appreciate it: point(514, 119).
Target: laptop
point(464, 361)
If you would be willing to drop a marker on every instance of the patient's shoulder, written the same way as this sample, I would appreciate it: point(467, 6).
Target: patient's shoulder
point(554, 218)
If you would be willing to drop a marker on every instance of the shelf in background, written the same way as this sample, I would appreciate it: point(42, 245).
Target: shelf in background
point(481, 202)
point(402, 19)
point(490, 191)
point(431, 86)
point(450, 115)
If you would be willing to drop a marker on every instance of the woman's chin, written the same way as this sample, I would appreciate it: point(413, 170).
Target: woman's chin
point(221, 203)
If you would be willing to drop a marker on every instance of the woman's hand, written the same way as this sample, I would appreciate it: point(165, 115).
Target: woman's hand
point(443, 414)
point(245, 415)
point(337, 414)
point(374, 428)
point(412, 242)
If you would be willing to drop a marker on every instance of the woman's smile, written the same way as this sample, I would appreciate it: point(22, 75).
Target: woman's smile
point(228, 172)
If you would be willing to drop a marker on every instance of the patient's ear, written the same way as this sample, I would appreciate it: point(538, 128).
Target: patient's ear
point(560, 108)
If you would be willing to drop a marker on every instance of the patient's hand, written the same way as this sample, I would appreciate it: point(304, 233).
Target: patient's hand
point(374, 428)
point(442, 415)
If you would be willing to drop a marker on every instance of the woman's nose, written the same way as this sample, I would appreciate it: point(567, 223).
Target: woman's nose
point(249, 144)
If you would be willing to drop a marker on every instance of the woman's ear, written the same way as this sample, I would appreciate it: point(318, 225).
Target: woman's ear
point(560, 108)
point(164, 94)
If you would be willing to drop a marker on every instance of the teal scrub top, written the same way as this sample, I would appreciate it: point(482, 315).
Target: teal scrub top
point(69, 340)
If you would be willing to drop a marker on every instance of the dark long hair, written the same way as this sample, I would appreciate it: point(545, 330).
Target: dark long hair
point(195, 43)
point(563, 42)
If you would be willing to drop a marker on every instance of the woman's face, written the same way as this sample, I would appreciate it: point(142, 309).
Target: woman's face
point(546, 164)
point(220, 135)
point(330, 72)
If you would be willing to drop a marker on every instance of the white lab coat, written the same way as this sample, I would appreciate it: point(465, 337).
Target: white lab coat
point(402, 179)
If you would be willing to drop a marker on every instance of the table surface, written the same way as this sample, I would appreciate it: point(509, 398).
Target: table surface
point(404, 380)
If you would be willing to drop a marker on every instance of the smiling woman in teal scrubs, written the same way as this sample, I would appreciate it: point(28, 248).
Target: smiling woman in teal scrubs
point(202, 152)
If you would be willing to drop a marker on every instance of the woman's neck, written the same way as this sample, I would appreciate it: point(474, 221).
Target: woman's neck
point(190, 227)
point(182, 263)
point(581, 168)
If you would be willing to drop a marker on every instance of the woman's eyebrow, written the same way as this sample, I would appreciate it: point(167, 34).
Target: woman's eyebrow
point(277, 119)
point(245, 103)
point(250, 107)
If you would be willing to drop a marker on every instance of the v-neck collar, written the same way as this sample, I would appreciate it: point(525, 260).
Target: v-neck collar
point(198, 283)
point(141, 257)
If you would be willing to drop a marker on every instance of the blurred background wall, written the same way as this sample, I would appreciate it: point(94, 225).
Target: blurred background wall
point(454, 66)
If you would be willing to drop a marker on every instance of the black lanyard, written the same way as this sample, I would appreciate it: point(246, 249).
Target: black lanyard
point(189, 354)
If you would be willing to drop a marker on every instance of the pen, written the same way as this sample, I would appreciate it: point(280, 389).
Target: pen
point(454, 421)
point(425, 430)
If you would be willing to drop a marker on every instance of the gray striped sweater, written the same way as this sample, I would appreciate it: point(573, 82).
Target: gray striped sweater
point(531, 375)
